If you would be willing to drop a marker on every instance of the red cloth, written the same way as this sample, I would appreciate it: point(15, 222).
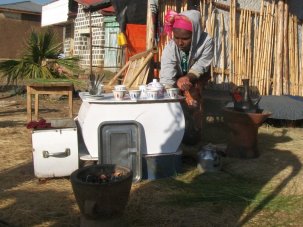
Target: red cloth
point(136, 39)
point(38, 124)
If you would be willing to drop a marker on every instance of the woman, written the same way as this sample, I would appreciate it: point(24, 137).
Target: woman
point(185, 64)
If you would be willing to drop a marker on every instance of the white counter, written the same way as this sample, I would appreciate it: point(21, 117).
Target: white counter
point(162, 121)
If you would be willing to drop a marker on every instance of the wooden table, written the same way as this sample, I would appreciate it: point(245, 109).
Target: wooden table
point(48, 88)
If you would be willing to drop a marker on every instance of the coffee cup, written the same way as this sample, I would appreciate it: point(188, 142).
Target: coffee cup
point(120, 87)
point(152, 94)
point(173, 93)
point(119, 94)
point(134, 94)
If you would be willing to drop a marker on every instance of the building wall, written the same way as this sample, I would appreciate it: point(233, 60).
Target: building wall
point(82, 39)
point(13, 33)
point(15, 29)
point(69, 39)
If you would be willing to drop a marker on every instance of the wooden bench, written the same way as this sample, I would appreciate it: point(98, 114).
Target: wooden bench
point(48, 88)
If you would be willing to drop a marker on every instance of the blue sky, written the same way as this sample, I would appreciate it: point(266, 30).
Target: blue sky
point(36, 1)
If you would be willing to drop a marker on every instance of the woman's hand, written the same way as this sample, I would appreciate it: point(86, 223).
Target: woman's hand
point(184, 83)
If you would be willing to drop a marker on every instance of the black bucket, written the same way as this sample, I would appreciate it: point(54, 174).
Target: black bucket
point(101, 200)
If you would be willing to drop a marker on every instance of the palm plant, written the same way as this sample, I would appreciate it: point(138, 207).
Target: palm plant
point(41, 60)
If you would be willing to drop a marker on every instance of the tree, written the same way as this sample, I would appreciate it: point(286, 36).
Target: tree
point(42, 59)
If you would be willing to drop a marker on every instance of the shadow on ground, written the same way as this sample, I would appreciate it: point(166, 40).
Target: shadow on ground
point(234, 196)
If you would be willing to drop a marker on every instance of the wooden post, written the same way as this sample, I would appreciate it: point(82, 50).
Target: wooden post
point(90, 44)
point(29, 103)
point(149, 27)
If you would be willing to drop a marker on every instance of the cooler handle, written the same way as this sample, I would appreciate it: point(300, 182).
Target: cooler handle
point(64, 154)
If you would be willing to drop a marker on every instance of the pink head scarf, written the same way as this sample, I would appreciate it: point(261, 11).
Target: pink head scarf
point(175, 20)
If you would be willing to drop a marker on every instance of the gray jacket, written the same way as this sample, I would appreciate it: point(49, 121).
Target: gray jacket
point(200, 55)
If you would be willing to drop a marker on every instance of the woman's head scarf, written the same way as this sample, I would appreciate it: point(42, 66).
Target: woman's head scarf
point(175, 20)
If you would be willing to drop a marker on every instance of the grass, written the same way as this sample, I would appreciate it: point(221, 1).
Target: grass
point(266, 191)
point(221, 193)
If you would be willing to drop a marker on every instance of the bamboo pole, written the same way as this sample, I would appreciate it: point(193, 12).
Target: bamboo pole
point(223, 47)
point(234, 32)
point(234, 40)
point(260, 32)
point(285, 57)
point(270, 49)
point(150, 30)
point(296, 63)
point(245, 45)
point(209, 19)
point(246, 34)
point(237, 61)
point(291, 55)
point(249, 45)
point(278, 90)
point(262, 40)
point(203, 13)
point(265, 60)
point(275, 50)
point(301, 77)
point(240, 47)
point(255, 51)
point(231, 62)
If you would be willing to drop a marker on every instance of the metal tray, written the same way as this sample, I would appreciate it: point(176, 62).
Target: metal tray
point(119, 143)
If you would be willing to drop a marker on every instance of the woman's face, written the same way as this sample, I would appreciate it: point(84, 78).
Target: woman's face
point(182, 39)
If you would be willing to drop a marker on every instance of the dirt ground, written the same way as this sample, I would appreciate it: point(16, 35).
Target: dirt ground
point(267, 191)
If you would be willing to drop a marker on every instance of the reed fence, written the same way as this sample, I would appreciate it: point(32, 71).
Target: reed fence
point(263, 45)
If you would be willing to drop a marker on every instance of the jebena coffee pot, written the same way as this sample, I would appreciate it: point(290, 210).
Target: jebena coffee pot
point(242, 100)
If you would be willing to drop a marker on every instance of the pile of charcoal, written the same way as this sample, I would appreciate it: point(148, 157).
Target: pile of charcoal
point(103, 177)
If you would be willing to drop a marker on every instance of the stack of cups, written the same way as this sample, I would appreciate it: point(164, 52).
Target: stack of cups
point(119, 92)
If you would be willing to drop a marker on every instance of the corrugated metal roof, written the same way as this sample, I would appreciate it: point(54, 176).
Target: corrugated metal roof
point(89, 2)
point(27, 6)
point(95, 5)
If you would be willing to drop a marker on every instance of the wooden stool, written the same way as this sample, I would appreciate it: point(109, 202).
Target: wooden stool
point(48, 88)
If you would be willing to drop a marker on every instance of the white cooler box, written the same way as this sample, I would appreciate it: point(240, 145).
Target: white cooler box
point(55, 150)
